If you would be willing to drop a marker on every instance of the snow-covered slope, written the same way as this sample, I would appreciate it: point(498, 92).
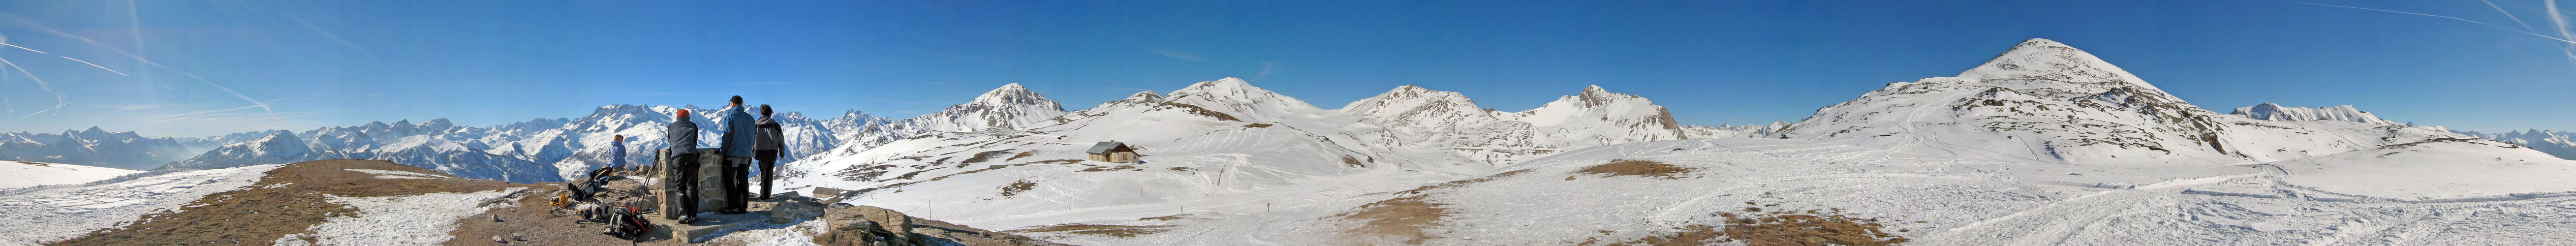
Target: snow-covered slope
point(2046, 102)
point(1732, 131)
point(2275, 112)
point(2436, 170)
point(1707, 185)
point(94, 147)
point(51, 213)
point(2556, 143)
point(19, 174)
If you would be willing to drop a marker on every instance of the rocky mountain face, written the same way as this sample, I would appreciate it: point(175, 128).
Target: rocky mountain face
point(94, 147)
point(2044, 101)
point(2556, 143)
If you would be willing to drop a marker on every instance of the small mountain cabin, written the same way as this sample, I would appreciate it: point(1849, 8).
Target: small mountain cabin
point(1112, 151)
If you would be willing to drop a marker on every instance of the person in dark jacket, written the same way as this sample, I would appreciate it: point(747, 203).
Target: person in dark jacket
point(771, 140)
point(739, 134)
point(683, 137)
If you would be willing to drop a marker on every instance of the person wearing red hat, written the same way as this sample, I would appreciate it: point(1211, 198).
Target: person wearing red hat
point(683, 137)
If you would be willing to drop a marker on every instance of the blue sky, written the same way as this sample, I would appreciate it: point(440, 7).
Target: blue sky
point(336, 63)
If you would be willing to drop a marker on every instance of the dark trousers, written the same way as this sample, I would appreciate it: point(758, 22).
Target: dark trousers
point(687, 179)
point(737, 171)
point(768, 171)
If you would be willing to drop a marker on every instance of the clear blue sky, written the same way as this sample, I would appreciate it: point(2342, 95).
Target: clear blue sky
point(336, 63)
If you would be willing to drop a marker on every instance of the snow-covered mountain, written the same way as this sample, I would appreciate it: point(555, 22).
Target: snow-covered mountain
point(94, 147)
point(2556, 143)
point(553, 149)
point(2043, 101)
point(1005, 109)
point(2275, 112)
point(1222, 146)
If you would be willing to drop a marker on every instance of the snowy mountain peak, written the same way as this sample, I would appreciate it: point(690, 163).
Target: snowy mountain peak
point(1144, 96)
point(1409, 103)
point(1013, 94)
point(2046, 64)
point(1235, 97)
point(1227, 84)
point(2046, 102)
point(2275, 112)
point(1595, 96)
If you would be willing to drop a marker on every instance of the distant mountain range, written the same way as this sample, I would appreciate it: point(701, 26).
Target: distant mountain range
point(95, 147)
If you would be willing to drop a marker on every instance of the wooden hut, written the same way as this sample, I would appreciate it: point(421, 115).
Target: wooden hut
point(1112, 151)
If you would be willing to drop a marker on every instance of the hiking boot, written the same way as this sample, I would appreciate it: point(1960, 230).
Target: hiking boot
point(689, 219)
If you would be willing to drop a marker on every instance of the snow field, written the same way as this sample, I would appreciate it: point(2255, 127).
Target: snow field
point(423, 219)
point(29, 174)
point(53, 213)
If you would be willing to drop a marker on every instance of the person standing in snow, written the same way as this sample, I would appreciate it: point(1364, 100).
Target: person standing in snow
point(770, 141)
point(683, 137)
point(739, 134)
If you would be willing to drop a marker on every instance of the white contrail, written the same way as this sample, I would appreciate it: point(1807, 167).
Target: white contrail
point(2509, 15)
point(25, 48)
point(272, 113)
point(95, 65)
point(56, 106)
point(2447, 17)
point(208, 113)
point(40, 82)
point(2559, 22)
point(327, 34)
point(2556, 18)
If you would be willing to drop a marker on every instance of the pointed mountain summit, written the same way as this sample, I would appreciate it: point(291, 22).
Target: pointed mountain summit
point(1411, 104)
point(1597, 116)
point(1009, 107)
point(1144, 96)
point(1233, 96)
point(2046, 102)
point(2046, 64)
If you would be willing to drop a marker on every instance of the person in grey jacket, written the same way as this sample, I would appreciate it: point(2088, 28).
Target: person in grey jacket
point(683, 137)
point(771, 140)
point(739, 136)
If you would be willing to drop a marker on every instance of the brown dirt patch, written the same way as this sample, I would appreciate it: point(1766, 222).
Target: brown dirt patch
point(1016, 187)
point(1195, 109)
point(1353, 162)
point(1256, 125)
point(1409, 217)
point(1021, 155)
point(1097, 230)
point(1781, 227)
point(1164, 218)
point(1624, 167)
point(986, 156)
point(286, 201)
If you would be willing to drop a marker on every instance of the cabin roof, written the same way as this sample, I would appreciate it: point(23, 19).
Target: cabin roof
point(1104, 147)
